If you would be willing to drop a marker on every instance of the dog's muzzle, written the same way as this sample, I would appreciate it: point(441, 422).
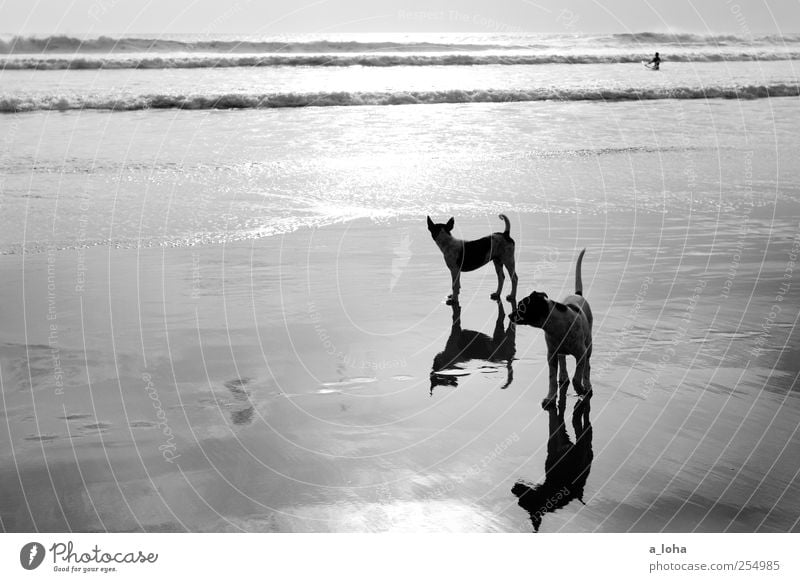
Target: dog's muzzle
point(518, 314)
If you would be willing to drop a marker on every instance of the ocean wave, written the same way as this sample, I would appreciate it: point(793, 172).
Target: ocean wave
point(375, 60)
point(685, 38)
point(107, 44)
point(19, 104)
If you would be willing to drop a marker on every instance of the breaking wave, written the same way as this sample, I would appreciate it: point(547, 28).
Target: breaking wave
point(14, 104)
point(204, 43)
point(683, 39)
point(373, 60)
point(106, 44)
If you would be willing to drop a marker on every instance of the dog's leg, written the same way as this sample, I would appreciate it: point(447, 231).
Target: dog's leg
point(587, 382)
point(498, 267)
point(563, 383)
point(552, 390)
point(512, 272)
point(580, 373)
point(456, 275)
point(563, 376)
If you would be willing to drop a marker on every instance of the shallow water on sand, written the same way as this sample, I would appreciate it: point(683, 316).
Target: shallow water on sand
point(159, 178)
point(285, 385)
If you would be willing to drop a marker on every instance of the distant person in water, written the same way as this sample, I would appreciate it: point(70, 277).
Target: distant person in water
point(656, 62)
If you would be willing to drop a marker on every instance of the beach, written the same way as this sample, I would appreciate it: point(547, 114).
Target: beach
point(284, 385)
point(221, 319)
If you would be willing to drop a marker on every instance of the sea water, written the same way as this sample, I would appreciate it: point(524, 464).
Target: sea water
point(187, 139)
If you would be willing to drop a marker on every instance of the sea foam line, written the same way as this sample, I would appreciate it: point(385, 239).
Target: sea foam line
point(105, 44)
point(374, 60)
point(20, 104)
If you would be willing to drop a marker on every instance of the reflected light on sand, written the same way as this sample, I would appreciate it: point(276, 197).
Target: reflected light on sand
point(402, 516)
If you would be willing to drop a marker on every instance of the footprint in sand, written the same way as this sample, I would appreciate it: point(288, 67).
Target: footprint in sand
point(141, 424)
point(243, 414)
point(237, 387)
point(96, 426)
point(76, 416)
point(42, 437)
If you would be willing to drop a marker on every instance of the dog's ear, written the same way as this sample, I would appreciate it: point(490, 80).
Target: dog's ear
point(545, 295)
point(430, 224)
point(450, 224)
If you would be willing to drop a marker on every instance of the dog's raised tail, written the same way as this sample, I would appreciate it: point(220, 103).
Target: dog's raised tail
point(578, 280)
point(507, 231)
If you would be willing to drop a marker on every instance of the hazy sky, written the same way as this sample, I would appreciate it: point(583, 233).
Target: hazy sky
point(279, 16)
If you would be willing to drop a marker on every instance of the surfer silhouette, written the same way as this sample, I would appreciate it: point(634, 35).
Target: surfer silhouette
point(655, 62)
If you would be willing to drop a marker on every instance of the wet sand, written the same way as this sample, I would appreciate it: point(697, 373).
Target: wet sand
point(285, 384)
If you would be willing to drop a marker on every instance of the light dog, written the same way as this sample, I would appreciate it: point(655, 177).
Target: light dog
point(464, 256)
point(567, 330)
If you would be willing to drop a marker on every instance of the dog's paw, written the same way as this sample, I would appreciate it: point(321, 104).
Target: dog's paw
point(494, 296)
point(451, 300)
point(511, 298)
point(548, 403)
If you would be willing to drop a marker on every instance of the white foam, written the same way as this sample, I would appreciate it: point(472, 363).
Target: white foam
point(375, 60)
point(19, 104)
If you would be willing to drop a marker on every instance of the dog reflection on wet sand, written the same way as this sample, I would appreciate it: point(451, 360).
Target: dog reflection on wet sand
point(464, 345)
point(567, 465)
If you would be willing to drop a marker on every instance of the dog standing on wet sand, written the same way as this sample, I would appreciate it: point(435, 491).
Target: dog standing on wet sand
point(464, 256)
point(567, 331)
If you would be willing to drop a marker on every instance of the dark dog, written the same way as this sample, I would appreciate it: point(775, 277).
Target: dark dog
point(567, 465)
point(464, 345)
point(464, 256)
point(568, 332)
